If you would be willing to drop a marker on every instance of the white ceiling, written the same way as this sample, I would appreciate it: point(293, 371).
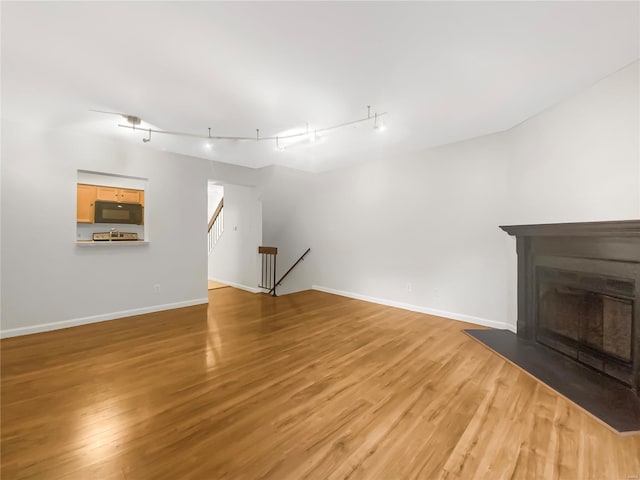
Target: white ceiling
point(443, 71)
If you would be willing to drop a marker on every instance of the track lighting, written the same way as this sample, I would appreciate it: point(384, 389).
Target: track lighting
point(133, 122)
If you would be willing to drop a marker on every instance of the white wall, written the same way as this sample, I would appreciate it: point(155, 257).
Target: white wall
point(50, 282)
point(421, 231)
point(288, 200)
point(579, 161)
point(234, 260)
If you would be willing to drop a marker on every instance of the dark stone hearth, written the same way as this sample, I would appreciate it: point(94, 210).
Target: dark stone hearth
point(579, 293)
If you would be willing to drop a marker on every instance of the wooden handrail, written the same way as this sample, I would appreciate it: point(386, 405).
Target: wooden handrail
point(214, 217)
point(292, 267)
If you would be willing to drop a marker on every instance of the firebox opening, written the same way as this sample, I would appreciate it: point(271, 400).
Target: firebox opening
point(589, 318)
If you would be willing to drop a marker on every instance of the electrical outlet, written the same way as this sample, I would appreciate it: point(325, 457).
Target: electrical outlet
point(156, 288)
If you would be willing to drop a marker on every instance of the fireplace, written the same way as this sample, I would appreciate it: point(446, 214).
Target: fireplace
point(579, 293)
point(588, 318)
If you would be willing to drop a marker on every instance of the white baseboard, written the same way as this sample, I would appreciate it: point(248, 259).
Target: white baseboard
point(45, 327)
point(415, 308)
point(237, 285)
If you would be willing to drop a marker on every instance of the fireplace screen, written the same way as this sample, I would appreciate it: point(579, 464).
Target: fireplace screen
point(588, 318)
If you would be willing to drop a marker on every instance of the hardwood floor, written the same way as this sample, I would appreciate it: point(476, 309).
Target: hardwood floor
point(213, 285)
point(308, 385)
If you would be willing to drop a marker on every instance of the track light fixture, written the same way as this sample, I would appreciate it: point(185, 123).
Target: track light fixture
point(133, 122)
point(209, 143)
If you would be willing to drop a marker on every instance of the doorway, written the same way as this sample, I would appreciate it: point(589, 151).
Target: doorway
point(215, 216)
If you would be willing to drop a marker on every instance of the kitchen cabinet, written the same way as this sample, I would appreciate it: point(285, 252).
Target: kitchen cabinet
point(88, 194)
point(109, 194)
point(113, 194)
point(130, 196)
point(85, 204)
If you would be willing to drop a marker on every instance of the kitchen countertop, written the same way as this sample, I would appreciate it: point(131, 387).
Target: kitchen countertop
point(92, 243)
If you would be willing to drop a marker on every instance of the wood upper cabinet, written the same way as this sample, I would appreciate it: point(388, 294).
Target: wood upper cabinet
point(88, 194)
point(109, 194)
point(129, 196)
point(85, 211)
point(114, 194)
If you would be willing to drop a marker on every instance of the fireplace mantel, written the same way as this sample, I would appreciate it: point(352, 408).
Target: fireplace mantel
point(622, 228)
point(608, 249)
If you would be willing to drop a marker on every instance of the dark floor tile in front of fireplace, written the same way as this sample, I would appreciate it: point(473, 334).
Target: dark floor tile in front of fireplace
point(598, 394)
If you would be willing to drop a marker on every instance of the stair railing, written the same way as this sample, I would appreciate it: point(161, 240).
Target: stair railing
point(273, 290)
point(216, 226)
point(268, 277)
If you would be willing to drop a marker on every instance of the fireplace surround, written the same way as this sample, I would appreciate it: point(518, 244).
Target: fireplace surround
point(579, 293)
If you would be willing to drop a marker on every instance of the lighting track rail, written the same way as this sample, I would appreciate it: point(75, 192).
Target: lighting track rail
point(134, 123)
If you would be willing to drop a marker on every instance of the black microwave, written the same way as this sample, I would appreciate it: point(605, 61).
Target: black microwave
point(116, 212)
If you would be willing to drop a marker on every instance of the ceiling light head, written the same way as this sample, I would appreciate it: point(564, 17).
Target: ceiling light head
point(209, 143)
point(279, 146)
point(132, 119)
